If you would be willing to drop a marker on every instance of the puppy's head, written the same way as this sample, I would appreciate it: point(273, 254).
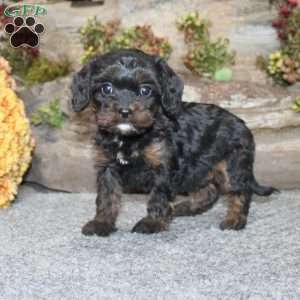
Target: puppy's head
point(129, 89)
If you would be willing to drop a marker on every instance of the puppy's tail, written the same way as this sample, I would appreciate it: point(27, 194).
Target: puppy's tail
point(263, 190)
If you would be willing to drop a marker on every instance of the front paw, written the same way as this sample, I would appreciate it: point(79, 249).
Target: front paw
point(150, 225)
point(237, 223)
point(98, 228)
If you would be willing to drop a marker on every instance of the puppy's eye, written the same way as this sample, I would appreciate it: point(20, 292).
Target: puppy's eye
point(106, 89)
point(145, 91)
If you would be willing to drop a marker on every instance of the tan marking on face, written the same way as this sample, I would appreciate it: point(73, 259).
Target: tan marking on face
point(107, 119)
point(135, 107)
point(141, 119)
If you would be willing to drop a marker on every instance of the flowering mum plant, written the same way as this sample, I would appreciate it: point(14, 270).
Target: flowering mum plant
point(16, 142)
point(205, 57)
point(284, 24)
point(98, 38)
point(284, 65)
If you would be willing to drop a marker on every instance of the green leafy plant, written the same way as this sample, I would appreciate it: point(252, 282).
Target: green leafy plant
point(28, 64)
point(20, 59)
point(296, 105)
point(98, 38)
point(42, 70)
point(205, 57)
point(143, 38)
point(49, 114)
point(195, 28)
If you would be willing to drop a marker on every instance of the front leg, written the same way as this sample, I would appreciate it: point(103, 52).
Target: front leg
point(159, 212)
point(107, 205)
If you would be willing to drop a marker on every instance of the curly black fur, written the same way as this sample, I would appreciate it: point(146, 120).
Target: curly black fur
point(155, 143)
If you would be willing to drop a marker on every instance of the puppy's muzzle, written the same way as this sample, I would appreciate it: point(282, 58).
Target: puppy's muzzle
point(125, 112)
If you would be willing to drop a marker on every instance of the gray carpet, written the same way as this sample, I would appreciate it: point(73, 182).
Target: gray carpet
point(44, 256)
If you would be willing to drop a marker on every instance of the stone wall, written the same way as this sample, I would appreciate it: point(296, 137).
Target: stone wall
point(246, 23)
point(64, 159)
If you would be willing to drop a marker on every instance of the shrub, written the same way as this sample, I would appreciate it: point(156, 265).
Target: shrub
point(42, 70)
point(98, 38)
point(194, 28)
point(16, 142)
point(205, 57)
point(49, 114)
point(208, 58)
point(28, 64)
point(281, 67)
point(287, 22)
point(284, 65)
point(20, 59)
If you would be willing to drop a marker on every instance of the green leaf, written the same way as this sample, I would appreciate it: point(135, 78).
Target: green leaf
point(49, 114)
point(44, 109)
point(224, 74)
point(56, 121)
point(36, 119)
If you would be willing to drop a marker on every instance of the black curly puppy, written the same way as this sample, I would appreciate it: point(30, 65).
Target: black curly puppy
point(150, 141)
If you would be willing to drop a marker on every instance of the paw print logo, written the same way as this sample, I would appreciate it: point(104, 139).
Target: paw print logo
point(24, 32)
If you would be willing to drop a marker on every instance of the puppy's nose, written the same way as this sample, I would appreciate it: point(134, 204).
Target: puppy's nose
point(124, 112)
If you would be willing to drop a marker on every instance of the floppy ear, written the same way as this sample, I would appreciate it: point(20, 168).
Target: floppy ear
point(81, 88)
point(172, 88)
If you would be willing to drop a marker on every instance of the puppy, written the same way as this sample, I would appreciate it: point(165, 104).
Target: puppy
point(152, 142)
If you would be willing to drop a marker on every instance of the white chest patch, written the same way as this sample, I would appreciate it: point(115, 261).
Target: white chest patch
point(125, 128)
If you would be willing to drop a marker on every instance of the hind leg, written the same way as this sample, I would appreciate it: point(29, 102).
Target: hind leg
point(196, 203)
point(238, 208)
point(237, 170)
point(233, 177)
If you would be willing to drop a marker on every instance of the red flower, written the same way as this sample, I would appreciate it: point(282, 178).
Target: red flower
point(277, 23)
point(293, 3)
point(281, 35)
point(284, 10)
